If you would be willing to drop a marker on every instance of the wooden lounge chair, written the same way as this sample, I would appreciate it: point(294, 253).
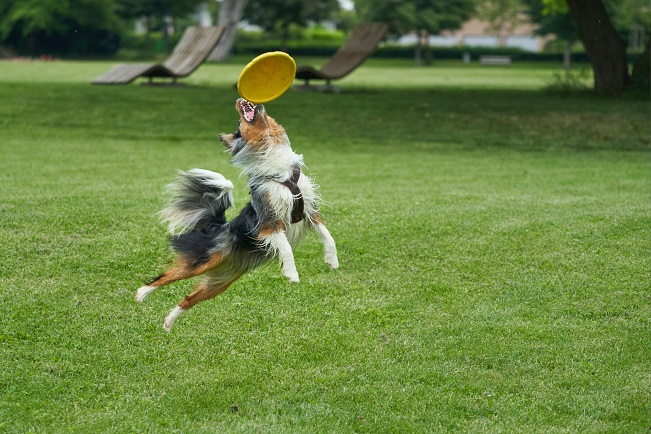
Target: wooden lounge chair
point(359, 46)
point(195, 46)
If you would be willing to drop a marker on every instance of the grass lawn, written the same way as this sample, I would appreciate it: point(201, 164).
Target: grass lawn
point(494, 241)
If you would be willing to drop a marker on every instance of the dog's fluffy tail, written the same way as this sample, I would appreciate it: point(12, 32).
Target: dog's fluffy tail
point(200, 199)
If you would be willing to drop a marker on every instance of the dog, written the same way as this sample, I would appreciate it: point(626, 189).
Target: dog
point(283, 208)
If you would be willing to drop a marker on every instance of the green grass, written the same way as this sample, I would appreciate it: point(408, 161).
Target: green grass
point(494, 243)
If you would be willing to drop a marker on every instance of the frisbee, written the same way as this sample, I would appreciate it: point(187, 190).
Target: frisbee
point(266, 77)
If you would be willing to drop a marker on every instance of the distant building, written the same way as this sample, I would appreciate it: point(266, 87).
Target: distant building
point(475, 33)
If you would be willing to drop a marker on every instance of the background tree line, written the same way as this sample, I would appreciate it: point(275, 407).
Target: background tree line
point(84, 28)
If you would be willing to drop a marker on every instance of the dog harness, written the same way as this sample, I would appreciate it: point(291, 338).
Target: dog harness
point(292, 184)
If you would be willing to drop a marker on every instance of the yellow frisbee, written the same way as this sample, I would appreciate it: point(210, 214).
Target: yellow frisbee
point(266, 77)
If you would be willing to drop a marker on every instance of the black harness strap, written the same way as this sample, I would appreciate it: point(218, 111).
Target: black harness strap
point(292, 184)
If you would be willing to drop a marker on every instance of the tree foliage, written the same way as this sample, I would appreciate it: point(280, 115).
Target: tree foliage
point(72, 27)
point(155, 13)
point(54, 16)
point(432, 16)
point(77, 27)
point(552, 18)
point(155, 8)
point(502, 16)
point(553, 15)
point(279, 15)
point(421, 16)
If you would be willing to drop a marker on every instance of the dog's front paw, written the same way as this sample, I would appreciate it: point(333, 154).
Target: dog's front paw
point(227, 139)
point(292, 276)
point(332, 261)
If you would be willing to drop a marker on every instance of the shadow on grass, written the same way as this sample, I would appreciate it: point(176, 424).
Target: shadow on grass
point(426, 119)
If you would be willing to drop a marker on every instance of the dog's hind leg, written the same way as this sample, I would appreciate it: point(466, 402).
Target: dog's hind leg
point(205, 290)
point(181, 270)
point(329, 247)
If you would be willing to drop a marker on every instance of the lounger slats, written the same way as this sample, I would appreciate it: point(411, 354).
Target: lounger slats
point(123, 74)
point(359, 46)
point(192, 50)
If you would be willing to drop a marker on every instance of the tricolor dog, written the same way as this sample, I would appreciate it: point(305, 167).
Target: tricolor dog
point(282, 209)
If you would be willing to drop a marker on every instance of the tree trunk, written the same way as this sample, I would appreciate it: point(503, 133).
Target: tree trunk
point(427, 51)
point(603, 44)
point(284, 36)
point(230, 13)
point(166, 34)
point(418, 54)
point(147, 36)
point(567, 54)
point(501, 35)
point(31, 44)
point(642, 68)
point(423, 54)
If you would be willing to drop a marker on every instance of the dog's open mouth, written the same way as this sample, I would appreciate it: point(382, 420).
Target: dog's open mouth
point(247, 110)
